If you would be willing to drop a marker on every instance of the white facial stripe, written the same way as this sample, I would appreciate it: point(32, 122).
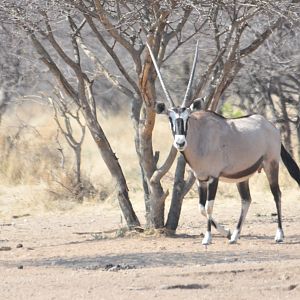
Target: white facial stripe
point(185, 116)
point(174, 115)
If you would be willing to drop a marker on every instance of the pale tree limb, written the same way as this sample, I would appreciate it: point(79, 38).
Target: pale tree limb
point(162, 171)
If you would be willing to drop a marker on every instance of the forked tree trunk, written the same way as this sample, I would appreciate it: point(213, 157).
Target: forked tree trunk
point(156, 196)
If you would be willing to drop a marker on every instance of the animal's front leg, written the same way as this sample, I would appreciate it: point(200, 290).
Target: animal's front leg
point(202, 190)
point(212, 190)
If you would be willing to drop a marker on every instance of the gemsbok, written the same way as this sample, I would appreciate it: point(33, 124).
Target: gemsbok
point(230, 150)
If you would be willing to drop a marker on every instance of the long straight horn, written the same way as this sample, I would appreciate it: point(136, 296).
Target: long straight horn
point(188, 89)
point(160, 78)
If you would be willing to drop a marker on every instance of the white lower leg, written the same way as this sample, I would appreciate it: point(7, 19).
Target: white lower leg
point(279, 236)
point(235, 236)
point(207, 238)
point(209, 209)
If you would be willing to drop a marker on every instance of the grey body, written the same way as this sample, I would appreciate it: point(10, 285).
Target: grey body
point(230, 150)
point(227, 148)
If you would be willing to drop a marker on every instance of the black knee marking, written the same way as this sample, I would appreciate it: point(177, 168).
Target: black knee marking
point(212, 189)
point(202, 190)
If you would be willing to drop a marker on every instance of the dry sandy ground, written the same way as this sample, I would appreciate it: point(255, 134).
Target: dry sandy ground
point(75, 255)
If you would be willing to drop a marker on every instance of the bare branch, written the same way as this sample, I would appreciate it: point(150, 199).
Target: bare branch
point(255, 44)
point(162, 171)
point(114, 33)
point(113, 55)
point(46, 58)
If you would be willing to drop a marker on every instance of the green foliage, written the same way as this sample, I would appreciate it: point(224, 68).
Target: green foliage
point(229, 111)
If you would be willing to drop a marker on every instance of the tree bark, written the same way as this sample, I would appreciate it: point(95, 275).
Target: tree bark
point(114, 167)
point(148, 161)
point(177, 199)
point(286, 128)
point(180, 189)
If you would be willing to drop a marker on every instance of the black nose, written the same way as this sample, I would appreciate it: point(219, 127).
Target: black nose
point(180, 145)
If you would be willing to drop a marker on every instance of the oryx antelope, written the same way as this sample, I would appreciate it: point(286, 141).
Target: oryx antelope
point(217, 148)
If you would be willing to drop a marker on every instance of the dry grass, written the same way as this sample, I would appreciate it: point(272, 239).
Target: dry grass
point(31, 171)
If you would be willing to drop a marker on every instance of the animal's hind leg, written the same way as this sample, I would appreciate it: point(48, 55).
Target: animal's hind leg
point(272, 171)
point(243, 188)
point(202, 190)
point(212, 190)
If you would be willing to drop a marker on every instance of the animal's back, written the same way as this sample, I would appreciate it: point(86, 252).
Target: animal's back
point(253, 135)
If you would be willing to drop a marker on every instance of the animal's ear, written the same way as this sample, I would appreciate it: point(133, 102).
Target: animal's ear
point(198, 104)
point(160, 108)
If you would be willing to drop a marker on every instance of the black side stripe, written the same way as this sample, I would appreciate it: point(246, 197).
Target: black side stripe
point(252, 169)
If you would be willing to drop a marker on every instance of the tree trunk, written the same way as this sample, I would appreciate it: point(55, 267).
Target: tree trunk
point(286, 128)
point(79, 185)
point(177, 195)
point(156, 194)
point(180, 189)
point(148, 159)
point(135, 116)
point(298, 135)
point(78, 165)
point(287, 137)
point(147, 199)
point(112, 163)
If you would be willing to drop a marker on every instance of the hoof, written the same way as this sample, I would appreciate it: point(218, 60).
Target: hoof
point(279, 241)
point(232, 242)
point(279, 236)
point(207, 239)
point(234, 237)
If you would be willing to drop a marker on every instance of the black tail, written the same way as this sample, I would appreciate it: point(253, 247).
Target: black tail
point(290, 164)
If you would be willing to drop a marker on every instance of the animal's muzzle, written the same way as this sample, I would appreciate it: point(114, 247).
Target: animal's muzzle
point(179, 142)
